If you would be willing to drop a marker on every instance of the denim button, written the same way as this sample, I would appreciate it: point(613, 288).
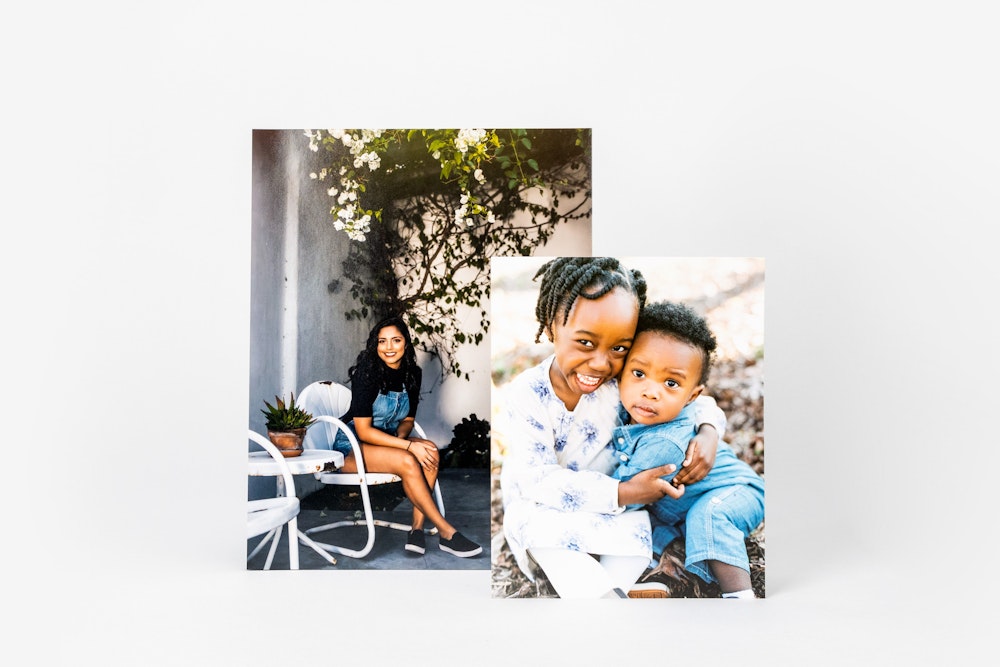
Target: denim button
point(621, 441)
point(623, 457)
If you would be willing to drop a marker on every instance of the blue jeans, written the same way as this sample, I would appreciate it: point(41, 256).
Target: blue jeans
point(715, 527)
point(714, 515)
point(388, 411)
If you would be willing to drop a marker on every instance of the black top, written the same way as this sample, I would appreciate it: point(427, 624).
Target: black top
point(364, 391)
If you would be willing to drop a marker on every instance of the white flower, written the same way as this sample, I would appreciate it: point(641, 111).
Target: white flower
point(312, 175)
point(468, 138)
point(437, 155)
point(343, 170)
point(465, 198)
point(491, 218)
point(338, 225)
point(336, 134)
point(332, 192)
point(478, 175)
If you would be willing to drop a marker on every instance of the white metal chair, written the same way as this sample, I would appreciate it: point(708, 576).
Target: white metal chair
point(327, 401)
point(269, 515)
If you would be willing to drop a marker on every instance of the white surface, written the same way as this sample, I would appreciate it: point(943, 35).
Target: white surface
point(309, 461)
point(855, 146)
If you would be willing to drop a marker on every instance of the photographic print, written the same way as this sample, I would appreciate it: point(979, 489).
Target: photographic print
point(369, 403)
point(628, 439)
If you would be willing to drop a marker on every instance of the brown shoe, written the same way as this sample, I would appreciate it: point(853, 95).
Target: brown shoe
point(649, 589)
point(654, 583)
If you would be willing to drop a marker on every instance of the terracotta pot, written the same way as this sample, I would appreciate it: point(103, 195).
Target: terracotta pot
point(289, 443)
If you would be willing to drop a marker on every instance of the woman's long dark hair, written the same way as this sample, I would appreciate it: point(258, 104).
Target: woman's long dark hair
point(369, 367)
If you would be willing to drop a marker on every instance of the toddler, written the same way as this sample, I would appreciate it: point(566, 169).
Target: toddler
point(666, 370)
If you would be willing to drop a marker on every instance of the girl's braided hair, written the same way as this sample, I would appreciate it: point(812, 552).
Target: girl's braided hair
point(564, 279)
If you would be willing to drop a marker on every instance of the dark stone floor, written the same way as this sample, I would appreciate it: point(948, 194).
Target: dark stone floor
point(466, 493)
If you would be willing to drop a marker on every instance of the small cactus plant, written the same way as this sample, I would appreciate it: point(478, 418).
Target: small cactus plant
point(282, 417)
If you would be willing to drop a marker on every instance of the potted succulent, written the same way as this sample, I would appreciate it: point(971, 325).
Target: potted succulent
point(286, 425)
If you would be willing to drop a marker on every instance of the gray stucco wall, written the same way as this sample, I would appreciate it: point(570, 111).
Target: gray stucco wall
point(298, 332)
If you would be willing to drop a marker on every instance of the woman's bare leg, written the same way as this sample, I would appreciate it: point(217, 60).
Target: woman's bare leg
point(431, 477)
point(417, 482)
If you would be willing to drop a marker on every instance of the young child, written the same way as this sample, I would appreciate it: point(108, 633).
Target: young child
point(665, 372)
point(561, 506)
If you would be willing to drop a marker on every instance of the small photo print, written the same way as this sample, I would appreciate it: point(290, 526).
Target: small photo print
point(369, 399)
point(628, 427)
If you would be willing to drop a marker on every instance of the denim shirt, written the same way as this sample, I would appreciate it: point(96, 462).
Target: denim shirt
point(640, 447)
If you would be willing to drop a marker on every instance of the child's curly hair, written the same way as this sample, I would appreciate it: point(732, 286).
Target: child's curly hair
point(564, 279)
point(679, 321)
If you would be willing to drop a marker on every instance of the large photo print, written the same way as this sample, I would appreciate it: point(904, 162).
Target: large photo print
point(369, 424)
point(628, 439)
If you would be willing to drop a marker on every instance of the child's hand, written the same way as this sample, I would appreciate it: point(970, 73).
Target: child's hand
point(700, 456)
point(647, 487)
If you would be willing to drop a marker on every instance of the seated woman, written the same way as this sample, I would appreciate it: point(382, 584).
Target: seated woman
point(385, 391)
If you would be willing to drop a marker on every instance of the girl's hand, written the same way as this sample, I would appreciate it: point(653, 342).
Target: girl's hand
point(647, 487)
point(426, 453)
point(700, 456)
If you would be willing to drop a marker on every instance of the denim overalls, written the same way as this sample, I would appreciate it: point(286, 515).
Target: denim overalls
point(387, 411)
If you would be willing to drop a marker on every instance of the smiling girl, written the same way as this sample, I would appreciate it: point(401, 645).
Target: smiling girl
point(385, 391)
point(563, 512)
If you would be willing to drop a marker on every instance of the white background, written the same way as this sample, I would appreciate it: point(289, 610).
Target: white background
point(855, 146)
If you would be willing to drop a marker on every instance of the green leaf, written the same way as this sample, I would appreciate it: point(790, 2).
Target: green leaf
point(527, 142)
point(532, 164)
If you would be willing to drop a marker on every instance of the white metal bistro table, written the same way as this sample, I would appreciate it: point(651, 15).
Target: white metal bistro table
point(311, 461)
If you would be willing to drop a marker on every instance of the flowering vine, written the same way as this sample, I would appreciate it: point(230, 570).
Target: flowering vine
point(425, 209)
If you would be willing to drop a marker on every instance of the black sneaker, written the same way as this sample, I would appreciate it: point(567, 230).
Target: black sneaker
point(415, 541)
point(460, 546)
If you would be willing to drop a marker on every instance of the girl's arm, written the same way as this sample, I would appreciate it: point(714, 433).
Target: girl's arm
point(405, 427)
point(701, 450)
point(370, 435)
point(708, 413)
